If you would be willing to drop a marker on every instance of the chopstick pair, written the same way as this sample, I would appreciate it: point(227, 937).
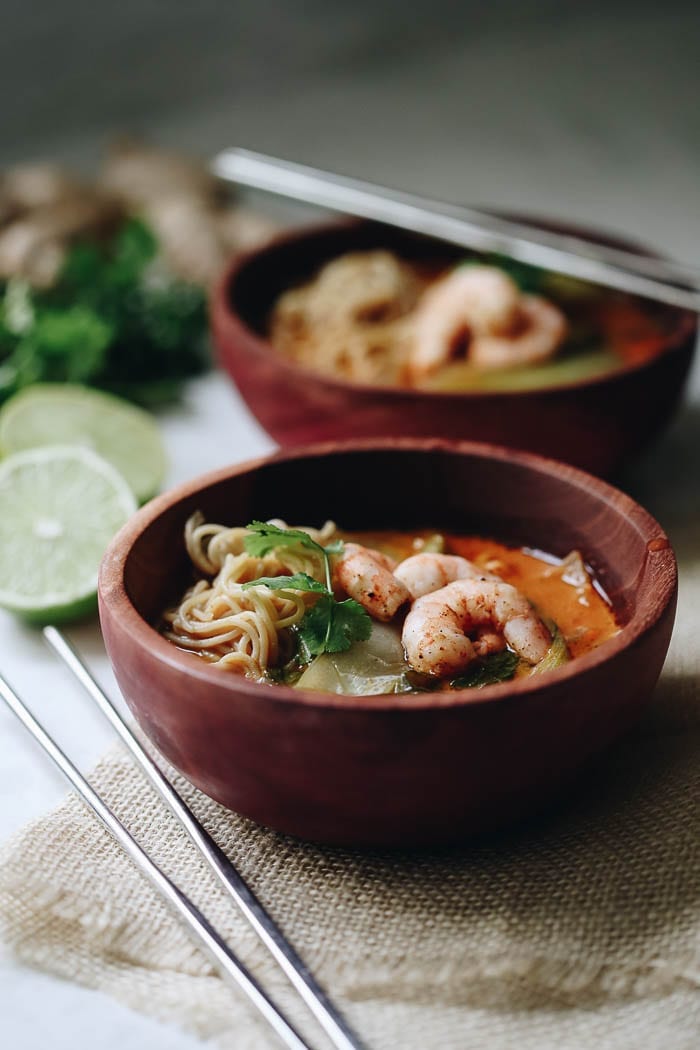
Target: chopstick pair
point(676, 284)
point(223, 957)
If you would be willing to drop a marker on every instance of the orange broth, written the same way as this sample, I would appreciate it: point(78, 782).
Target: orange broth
point(576, 603)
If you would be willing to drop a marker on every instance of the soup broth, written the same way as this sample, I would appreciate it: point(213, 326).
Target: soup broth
point(374, 318)
point(359, 614)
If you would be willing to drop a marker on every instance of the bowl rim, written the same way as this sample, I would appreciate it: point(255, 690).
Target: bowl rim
point(114, 598)
point(223, 314)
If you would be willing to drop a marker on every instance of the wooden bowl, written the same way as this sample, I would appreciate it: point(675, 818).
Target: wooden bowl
point(391, 770)
point(596, 424)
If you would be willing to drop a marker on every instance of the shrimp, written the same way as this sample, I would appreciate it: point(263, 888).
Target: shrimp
point(426, 572)
point(435, 632)
point(541, 331)
point(483, 306)
point(367, 576)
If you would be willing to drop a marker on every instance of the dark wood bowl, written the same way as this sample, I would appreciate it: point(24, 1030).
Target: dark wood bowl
point(596, 424)
point(391, 770)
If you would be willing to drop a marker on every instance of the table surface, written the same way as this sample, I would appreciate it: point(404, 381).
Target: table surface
point(620, 155)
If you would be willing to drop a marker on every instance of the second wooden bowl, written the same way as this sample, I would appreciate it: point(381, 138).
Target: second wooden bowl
point(596, 424)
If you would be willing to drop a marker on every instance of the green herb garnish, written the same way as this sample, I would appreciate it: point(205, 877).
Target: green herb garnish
point(300, 581)
point(528, 278)
point(329, 626)
point(558, 652)
point(494, 668)
point(114, 319)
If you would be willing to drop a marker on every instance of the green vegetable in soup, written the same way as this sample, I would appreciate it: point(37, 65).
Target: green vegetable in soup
point(557, 653)
point(569, 368)
point(492, 669)
point(528, 278)
point(329, 626)
point(501, 667)
point(372, 667)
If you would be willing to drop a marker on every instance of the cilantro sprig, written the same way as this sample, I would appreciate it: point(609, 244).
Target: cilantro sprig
point(329, 626)
point(115, 318)
point(300, 581)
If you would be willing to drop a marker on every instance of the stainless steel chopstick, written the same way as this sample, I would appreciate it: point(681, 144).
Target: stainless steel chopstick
point(218, 951)
point(662, 269)
point(624, 271)
point(233, 882)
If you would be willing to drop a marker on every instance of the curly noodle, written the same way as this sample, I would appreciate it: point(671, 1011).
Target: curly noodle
point(241, 630)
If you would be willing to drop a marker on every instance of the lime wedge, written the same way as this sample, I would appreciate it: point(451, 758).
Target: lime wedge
point(62, 414)
point(61, 505)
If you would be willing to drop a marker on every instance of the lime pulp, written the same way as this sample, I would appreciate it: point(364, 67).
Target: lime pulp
point(61, 505)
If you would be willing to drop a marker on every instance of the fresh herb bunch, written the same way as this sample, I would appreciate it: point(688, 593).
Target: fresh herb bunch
point(329, 626)
point(114, 319)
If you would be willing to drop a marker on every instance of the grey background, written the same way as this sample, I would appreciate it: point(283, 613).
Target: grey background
point(586, 110)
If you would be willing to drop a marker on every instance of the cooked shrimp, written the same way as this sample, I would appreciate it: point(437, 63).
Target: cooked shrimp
point(470, 299)
point(426, 572)
point(541, 331)
point(481, 306)
point(435, 633)
point(367, 576)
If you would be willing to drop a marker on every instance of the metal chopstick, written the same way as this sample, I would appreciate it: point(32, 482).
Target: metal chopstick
point(625, 271)
point(218, 951)
point(663, 269)
point(233, 882)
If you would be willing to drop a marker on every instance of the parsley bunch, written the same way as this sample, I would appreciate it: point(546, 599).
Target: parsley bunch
point(114, 319)
point(329, 626)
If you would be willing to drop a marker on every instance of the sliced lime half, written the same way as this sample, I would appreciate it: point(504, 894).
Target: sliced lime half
point(65, 414)
point(60, 507)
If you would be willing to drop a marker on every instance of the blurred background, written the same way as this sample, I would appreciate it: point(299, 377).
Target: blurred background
point(585, 111)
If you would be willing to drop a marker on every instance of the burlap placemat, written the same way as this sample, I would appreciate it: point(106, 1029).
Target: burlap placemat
point(581, 930)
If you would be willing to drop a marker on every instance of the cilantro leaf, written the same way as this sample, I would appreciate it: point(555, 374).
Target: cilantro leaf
point(349, 623)
point(331, 627)
point(300, 581)
point(496, 667)
point(328, 626)
point(263, 537)
point(312, 632)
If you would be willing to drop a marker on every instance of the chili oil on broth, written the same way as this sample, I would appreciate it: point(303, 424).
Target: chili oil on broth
point(564, 591)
